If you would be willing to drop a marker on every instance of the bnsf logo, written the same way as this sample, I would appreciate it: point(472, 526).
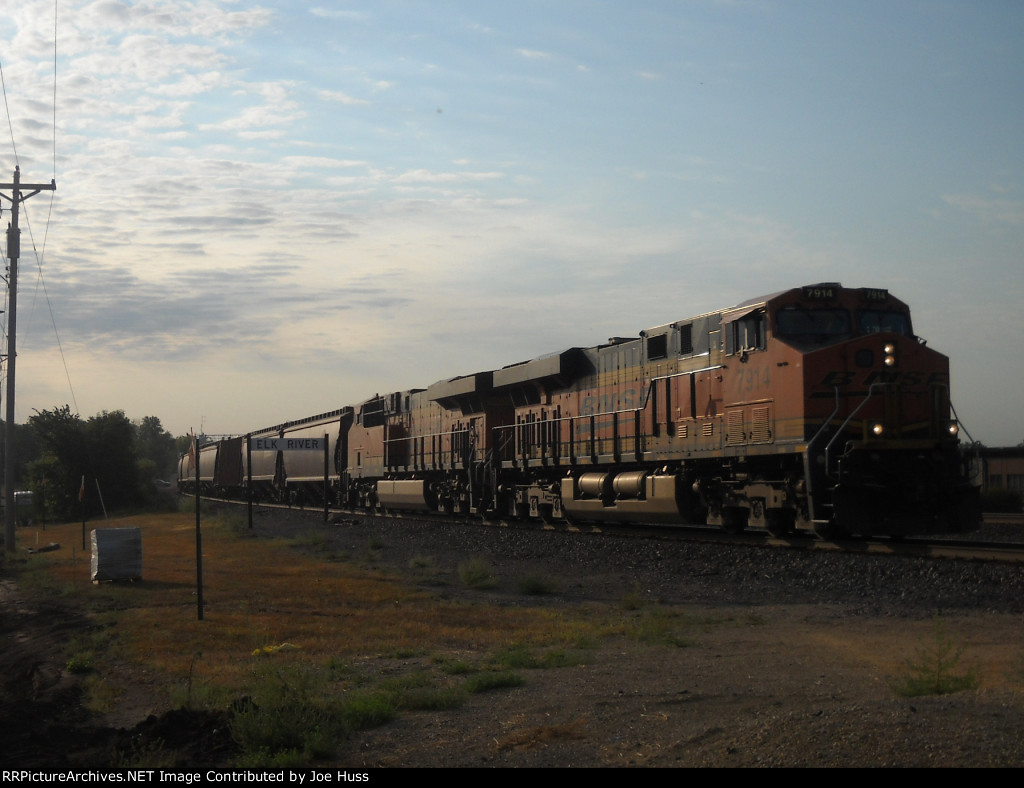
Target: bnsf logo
point(609, 403)
point(833, 379)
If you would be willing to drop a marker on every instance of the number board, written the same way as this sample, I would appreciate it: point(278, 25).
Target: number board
point(820, 292)
point(874, 294)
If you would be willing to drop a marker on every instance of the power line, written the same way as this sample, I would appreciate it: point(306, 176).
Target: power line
point(19, 193)
point(10, 122)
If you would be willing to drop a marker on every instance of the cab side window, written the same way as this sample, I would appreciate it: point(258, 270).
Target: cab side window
point(745, 334)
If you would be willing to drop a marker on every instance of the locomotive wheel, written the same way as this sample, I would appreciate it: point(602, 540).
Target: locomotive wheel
point(830, 530)
point(734, 519)
point(490, 515)
point(780, 522)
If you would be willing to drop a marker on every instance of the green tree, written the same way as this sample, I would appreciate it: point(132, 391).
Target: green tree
point(155, 444)
point(27, 449)
point(110, 438)
point(56, 476)
point(100, 451)
point(117, 458)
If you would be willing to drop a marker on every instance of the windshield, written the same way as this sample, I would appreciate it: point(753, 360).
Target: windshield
point(874, 321)
point(813, 324)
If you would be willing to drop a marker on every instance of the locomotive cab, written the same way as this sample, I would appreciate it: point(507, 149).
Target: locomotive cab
point(882, 454)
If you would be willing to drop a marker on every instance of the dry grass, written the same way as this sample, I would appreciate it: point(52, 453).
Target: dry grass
point(260, 593)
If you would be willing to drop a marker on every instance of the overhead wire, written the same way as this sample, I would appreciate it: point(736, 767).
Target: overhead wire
point(40, 254)
point(7, 109)
point(14, 148)
point(41, 282)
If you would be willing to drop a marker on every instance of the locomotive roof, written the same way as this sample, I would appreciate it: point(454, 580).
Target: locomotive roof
point(742, 308)
point(750, 302)
point(802, 291)
point(772, 296)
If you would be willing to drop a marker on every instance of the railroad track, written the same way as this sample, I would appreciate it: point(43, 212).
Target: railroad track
point(1007, 518)
point(938, 548)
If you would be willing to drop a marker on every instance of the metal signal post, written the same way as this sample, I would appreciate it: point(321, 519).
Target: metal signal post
point(19, 193)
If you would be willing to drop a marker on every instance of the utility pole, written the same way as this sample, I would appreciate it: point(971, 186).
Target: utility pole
point(19, 193)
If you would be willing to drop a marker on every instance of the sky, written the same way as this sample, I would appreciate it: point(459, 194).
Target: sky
point(268, 210)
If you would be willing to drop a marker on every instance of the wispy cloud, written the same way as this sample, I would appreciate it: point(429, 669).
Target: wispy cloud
point(988, 209)
point(347, 15)
point(534, 54)
point(425, 176)
point(340, 98)
point(241, 184)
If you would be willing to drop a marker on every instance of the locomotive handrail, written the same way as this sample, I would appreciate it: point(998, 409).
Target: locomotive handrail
point(688, 372)
point(854, 412)
point(509, 430)
point(447, 433)
point(824, 424)
point(641, 406)
point(811, 491)
point(957, 416)
point(456, 437)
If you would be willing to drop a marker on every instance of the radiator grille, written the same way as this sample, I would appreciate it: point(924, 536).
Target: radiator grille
point(734, 427)
point(760, 425)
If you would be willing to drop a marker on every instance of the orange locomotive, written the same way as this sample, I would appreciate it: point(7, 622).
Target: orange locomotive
point(815, 407)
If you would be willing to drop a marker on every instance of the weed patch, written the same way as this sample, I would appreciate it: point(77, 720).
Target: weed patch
point(287, 722)
point(658, 626)
point(79, 664)
point(426, 570)
point(475, 573)
point(633, 600)
point(520, 657)
point(486, 682)
point(150, 755)
point(230, 520)
point(100, 694)
point(422, 562)
point(368, 709)
point(433, 699)
point(455, 667)
point(535, 585)
point(194, 693)
point(935, 669)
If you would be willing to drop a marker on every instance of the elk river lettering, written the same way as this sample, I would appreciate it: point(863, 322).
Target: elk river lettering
point(287, 444)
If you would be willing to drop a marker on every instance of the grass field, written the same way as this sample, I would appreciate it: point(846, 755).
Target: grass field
point(310, 635)
point(297, 632)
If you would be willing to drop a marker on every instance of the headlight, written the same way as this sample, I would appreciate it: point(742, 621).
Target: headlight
point(890, 354)
point(877, 428)
point(954, 428)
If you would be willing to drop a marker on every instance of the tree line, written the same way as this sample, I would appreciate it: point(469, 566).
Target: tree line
point(69, 462)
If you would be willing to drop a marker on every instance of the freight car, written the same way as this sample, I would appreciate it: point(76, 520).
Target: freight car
point(811, 408)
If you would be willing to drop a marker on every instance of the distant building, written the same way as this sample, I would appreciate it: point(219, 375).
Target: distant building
point(1003, 468)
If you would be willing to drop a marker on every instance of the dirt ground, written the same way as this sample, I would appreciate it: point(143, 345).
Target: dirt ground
point(786, 686)
point(755, 685)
